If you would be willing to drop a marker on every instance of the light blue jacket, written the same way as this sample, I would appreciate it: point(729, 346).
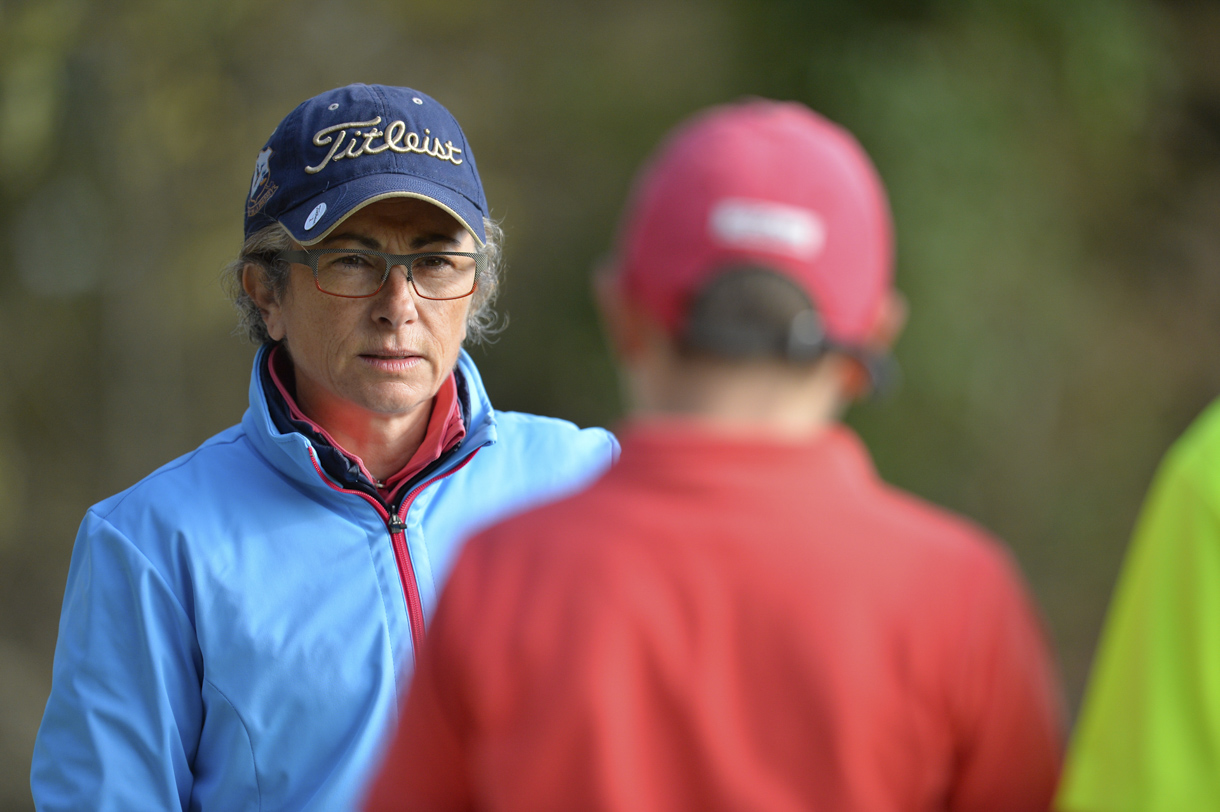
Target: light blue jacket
point(235, 634)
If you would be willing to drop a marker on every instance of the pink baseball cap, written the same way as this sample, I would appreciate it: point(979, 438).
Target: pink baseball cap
point(767, 184)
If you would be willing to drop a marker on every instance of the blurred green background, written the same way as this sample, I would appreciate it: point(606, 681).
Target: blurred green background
point(1054, 167)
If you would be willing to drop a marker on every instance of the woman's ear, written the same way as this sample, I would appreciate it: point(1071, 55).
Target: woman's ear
point(254, 282)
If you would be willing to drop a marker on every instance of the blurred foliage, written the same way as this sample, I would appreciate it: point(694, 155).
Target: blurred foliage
point(1054, 169)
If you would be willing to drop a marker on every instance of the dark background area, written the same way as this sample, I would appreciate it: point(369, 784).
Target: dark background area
point(1054, 167)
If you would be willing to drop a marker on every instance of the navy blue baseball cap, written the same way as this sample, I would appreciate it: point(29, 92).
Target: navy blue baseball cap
point(355, 145)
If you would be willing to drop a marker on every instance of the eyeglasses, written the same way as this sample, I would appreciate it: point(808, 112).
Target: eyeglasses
point(355, 273)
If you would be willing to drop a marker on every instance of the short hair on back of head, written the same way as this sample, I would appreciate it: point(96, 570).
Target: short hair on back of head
point(263, 248)
point(752, 313)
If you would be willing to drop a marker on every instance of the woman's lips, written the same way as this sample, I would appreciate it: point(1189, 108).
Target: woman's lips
point(392, 361)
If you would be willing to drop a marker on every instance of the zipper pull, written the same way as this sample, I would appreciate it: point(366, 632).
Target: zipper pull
point(396, 524)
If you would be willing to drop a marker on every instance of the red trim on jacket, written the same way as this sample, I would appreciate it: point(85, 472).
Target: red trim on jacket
point(445, 429)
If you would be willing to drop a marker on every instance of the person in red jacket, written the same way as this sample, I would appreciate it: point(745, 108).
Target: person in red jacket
point(741, 615)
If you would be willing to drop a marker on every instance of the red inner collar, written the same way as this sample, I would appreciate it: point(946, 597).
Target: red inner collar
point(445, 427)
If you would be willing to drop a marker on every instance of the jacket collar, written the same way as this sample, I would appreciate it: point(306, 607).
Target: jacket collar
point(301, 454)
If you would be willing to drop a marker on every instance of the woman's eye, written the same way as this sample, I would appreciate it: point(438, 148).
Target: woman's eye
point(433, 262)
point(350, 262)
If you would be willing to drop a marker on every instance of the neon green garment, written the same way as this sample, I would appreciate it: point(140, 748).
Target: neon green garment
point(1148, 737)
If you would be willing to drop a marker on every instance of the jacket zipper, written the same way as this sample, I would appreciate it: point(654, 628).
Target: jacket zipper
point(397, 526)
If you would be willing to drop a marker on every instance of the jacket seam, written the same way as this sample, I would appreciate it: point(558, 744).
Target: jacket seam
point(244, 729)
point(153, 568)
point(167, 468)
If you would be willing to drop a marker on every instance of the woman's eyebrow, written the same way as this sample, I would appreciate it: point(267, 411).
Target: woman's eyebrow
point(417, 242)
point(432, 239)
point(347, 236)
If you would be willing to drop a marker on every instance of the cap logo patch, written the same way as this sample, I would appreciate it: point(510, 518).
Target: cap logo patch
point(315, 216)
point(261, 187)
point(766, 226)
point(394, 137)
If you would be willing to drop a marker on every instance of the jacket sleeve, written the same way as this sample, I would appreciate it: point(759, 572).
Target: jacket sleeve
point(123, 719)
point(1149, 730)
point(1007, 703)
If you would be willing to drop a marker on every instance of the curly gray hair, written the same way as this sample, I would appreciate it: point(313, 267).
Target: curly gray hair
point(262, 249)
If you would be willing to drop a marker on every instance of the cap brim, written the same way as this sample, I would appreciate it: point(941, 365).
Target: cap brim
point(310, 222)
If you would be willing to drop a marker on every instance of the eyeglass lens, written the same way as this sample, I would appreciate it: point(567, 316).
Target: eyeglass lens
point(355, 273)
